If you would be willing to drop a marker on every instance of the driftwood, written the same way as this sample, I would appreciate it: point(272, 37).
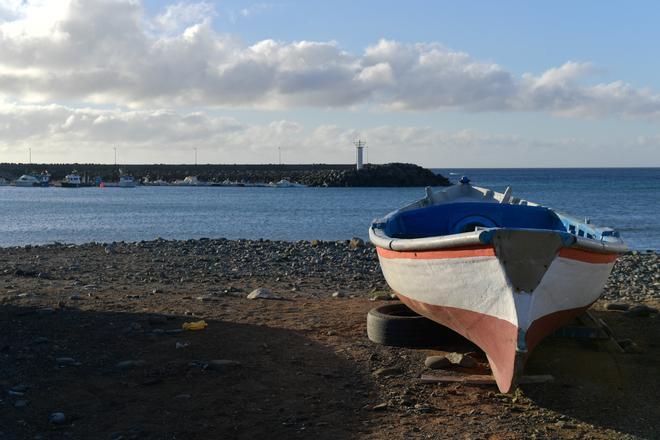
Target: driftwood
point(482, 379)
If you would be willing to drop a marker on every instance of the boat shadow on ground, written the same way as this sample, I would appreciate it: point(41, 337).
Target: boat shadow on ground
point(598, 385)
point(127, 375)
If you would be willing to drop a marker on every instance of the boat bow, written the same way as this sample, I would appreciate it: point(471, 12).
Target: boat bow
point(503, 288)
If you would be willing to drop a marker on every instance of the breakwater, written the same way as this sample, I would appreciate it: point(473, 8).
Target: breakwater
point(333, 175)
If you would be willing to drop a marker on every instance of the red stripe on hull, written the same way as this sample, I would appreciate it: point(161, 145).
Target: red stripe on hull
point(586, 256)
point(496, 337)
point(489, 251)
point(458, 252)
point(547, 324)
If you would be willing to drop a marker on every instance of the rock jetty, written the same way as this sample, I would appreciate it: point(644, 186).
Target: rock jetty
point(341, 175)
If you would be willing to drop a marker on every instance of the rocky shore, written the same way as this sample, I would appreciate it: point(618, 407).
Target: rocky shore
point(344, 264)
point(93, 345)
point(344, 175)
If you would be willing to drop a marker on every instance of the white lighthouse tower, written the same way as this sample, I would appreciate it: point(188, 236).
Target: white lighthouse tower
point(359, 147)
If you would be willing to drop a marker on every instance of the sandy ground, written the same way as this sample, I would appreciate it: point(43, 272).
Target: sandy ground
point(89, 333)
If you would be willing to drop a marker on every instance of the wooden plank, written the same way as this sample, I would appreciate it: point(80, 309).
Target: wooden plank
point(482, 379)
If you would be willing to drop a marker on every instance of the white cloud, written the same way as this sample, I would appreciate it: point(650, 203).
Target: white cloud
point(255, 9)
point(58, 133)
point(179, 16)
point(108, 52)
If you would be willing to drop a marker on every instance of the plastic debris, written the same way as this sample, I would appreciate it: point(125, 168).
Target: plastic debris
point(197, 325)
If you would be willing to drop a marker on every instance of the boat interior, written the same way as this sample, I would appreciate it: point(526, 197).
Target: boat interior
point(460, 217)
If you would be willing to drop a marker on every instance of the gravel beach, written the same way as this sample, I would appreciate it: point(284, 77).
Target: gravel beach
point(92, 346)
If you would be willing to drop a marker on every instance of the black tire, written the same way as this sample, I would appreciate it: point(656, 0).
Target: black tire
point(398, 326)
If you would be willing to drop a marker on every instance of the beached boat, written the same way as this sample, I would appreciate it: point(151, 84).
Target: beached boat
point(501, 271)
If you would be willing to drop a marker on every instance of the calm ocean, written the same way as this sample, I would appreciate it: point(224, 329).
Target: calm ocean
point(625, 199)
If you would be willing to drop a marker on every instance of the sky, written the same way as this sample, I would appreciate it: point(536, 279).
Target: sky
point(441, 84)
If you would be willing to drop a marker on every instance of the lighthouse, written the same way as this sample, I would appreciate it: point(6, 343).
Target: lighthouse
point(359, 150)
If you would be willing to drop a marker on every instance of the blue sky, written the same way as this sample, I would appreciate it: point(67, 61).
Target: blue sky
point(438, 83)
point(524, 36)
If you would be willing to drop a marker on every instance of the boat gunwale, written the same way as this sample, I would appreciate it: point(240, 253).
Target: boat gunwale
point(378, 237)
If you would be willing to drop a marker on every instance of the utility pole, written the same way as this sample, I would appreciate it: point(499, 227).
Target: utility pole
point(279, 152)
point(115, 148)
point(195, 155)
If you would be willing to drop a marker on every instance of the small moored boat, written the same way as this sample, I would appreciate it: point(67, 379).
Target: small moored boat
point(27, 180)
point(285, 183)
point(125, 181)
point(72, 180)
point(501, 271)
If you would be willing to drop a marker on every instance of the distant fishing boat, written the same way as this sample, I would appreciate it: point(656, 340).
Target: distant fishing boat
point(501, 271)
point(3, 181)
point(44, 179)
point(72, 180)
point(158, 182)
point(190, 181)
point(27, 180)
point(284, 183)
point(125, 181)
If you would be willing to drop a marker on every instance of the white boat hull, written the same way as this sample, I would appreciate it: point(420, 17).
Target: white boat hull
point(469, 290)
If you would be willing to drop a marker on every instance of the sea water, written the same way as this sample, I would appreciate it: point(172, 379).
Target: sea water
point(625, 199)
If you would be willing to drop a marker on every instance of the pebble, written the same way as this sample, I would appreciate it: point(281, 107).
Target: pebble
point(20, 388)
point(381, 296)
point(356, 243)
point(20, 403)
point(65, 361)
point(461, 360)
point(262, 293)
point(127, 365)
point(223, 365)
point(380, 407)
point(436, 362)
point(57, 418)
point(338, 294)
point(619, 306)
point(387, 372)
